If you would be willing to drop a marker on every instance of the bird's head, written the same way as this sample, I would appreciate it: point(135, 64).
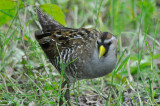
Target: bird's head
point(106, 43)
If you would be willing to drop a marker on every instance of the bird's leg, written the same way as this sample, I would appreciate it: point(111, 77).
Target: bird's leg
point(62, 86)
point(67, 94)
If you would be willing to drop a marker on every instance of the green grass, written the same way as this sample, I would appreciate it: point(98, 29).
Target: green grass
point(27, 77)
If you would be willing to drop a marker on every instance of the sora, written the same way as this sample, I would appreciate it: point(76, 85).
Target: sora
point(94, 52)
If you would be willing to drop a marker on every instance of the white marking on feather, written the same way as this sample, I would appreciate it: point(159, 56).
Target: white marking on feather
point(61, 54)
point(58, 35)
point(68, 55)
point(53, 40)
point(99, 40)
point(109, 40)
point(65, 55)
point(75, 66)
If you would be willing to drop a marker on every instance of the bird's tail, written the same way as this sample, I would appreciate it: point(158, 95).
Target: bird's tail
point(47, 23)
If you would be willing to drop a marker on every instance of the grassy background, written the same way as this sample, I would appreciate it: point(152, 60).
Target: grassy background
point(28, 78)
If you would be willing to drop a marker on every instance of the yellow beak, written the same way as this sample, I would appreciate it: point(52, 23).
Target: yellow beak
point(101, 51)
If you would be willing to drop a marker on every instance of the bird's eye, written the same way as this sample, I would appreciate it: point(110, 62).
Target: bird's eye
point(109, 43)
point(97, 42)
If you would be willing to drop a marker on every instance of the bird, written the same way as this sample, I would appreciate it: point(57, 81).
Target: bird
point(86, 53)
